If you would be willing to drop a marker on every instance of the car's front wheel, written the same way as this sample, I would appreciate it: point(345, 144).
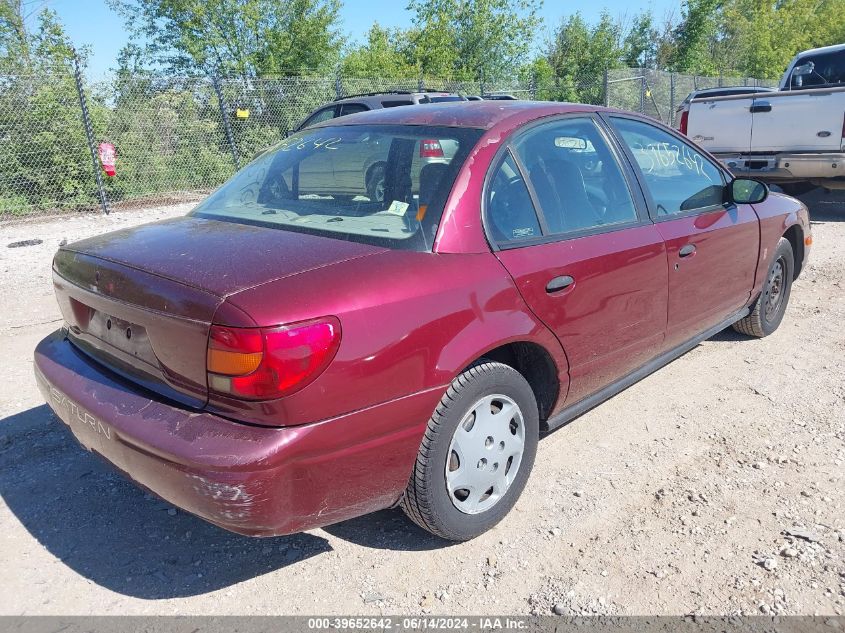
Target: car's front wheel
point(476, 455)
point(770, 306)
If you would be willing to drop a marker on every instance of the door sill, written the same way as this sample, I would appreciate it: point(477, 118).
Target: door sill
point(582, 406)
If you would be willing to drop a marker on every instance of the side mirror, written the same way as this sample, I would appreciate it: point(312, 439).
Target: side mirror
point(747, 191)
point(803, 69)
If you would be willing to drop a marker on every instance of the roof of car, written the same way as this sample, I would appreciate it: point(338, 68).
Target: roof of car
point(471, 114)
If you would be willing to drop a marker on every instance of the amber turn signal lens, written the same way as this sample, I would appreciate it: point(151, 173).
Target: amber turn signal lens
point(233, 363)
point(808, 240)
point(234, 351)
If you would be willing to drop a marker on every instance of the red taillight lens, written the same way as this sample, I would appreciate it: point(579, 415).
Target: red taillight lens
point(268, 363)
point(430, 148)
point(684, 121)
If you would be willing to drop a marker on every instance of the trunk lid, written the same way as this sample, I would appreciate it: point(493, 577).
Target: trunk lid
point(140, 301)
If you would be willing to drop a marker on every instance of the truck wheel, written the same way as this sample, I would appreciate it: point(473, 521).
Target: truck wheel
point(476, 455)
point(770, 306)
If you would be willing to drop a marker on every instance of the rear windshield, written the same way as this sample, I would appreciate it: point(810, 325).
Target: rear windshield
point(377, 184)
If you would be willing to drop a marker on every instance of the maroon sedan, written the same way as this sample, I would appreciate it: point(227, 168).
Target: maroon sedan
point(284, 358)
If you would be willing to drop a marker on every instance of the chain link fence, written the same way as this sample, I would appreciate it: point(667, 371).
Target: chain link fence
point(178, 138)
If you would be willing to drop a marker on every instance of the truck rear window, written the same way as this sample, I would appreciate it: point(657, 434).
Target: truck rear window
point(377, 184)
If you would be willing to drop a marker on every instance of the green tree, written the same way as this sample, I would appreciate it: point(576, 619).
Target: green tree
point(473, 40)
point(580, 53)
point(384, 54)
point(696, 37)
point(247, 38)
point(764, 36)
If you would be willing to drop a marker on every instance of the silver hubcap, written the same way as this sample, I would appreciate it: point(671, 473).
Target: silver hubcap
point(485, 454)
point(775, 290)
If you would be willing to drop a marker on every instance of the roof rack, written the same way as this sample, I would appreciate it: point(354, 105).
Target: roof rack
point(392, 92)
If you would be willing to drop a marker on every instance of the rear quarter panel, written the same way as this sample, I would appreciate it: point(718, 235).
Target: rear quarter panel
point(410, 322)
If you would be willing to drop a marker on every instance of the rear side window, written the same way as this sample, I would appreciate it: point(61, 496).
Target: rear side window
point(510, 211)
point(385, 185)
point(678, 177)
point(396, 102)
point(320, 115)
point(822, 69)
point(352, 108)
point(577, 180)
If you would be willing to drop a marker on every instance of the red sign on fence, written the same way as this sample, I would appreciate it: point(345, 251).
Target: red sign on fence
point(107, 158)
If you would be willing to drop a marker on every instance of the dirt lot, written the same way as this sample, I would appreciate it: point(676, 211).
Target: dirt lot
point(716, 485)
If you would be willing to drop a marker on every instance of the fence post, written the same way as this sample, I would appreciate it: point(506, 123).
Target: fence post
point(606, 88)
point(89, 134)
point(642, 94)
point(421, 84)
point(338, 85)
point(227, 126)
point(672, 99)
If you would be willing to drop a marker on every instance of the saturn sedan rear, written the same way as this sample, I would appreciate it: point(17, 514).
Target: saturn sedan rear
point(305, 347)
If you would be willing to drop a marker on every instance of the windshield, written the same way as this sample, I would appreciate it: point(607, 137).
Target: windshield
point(377, 184)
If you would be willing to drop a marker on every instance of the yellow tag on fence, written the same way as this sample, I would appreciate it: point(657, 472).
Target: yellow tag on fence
point(242, 114)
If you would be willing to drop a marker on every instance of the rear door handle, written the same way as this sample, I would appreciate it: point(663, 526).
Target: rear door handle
point(761, 107)
point(559, 283)
point(686, 250)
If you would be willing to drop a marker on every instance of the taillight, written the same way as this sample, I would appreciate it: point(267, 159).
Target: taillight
point(430, 148)
point(268, 363)
point(684, 121)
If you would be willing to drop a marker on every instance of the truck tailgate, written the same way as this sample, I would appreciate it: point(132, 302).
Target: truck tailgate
point(721, 124)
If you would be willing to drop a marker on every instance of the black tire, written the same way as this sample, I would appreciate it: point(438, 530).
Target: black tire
point(770, 306)
point(427, 500)
point(375, 182)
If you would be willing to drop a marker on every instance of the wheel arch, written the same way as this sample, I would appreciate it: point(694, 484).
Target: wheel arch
point(537, 365)
point(794, 234)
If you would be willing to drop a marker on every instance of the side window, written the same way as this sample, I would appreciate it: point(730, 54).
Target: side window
point(678, 177)
point(352, 108)
point(320, 115)
point(815, 71)
point(577, 180)
point(510, 212)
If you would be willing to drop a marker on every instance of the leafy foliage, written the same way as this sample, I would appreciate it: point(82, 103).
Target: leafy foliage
point(247, 38)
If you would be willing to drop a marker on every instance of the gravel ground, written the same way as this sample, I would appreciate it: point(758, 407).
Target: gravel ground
point(713, 486)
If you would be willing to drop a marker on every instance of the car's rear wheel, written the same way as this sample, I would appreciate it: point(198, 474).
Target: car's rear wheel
point(476, 455)
point(770, 306)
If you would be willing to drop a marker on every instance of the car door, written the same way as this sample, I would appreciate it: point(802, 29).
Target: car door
point(712, 247)
point(350, 168)
point(565, 223)
point(313, 178)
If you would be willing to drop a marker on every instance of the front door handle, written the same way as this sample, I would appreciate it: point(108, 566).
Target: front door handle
point(763, 106)
point(559, 283)
point(686, 250)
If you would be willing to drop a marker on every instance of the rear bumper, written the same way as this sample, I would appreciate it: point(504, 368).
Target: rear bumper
point(784, 167)
point(258, 481)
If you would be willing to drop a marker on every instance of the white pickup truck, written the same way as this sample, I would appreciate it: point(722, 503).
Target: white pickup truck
point(794, 137)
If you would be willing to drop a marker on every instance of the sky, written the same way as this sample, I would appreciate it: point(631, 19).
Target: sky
point(91, 22)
